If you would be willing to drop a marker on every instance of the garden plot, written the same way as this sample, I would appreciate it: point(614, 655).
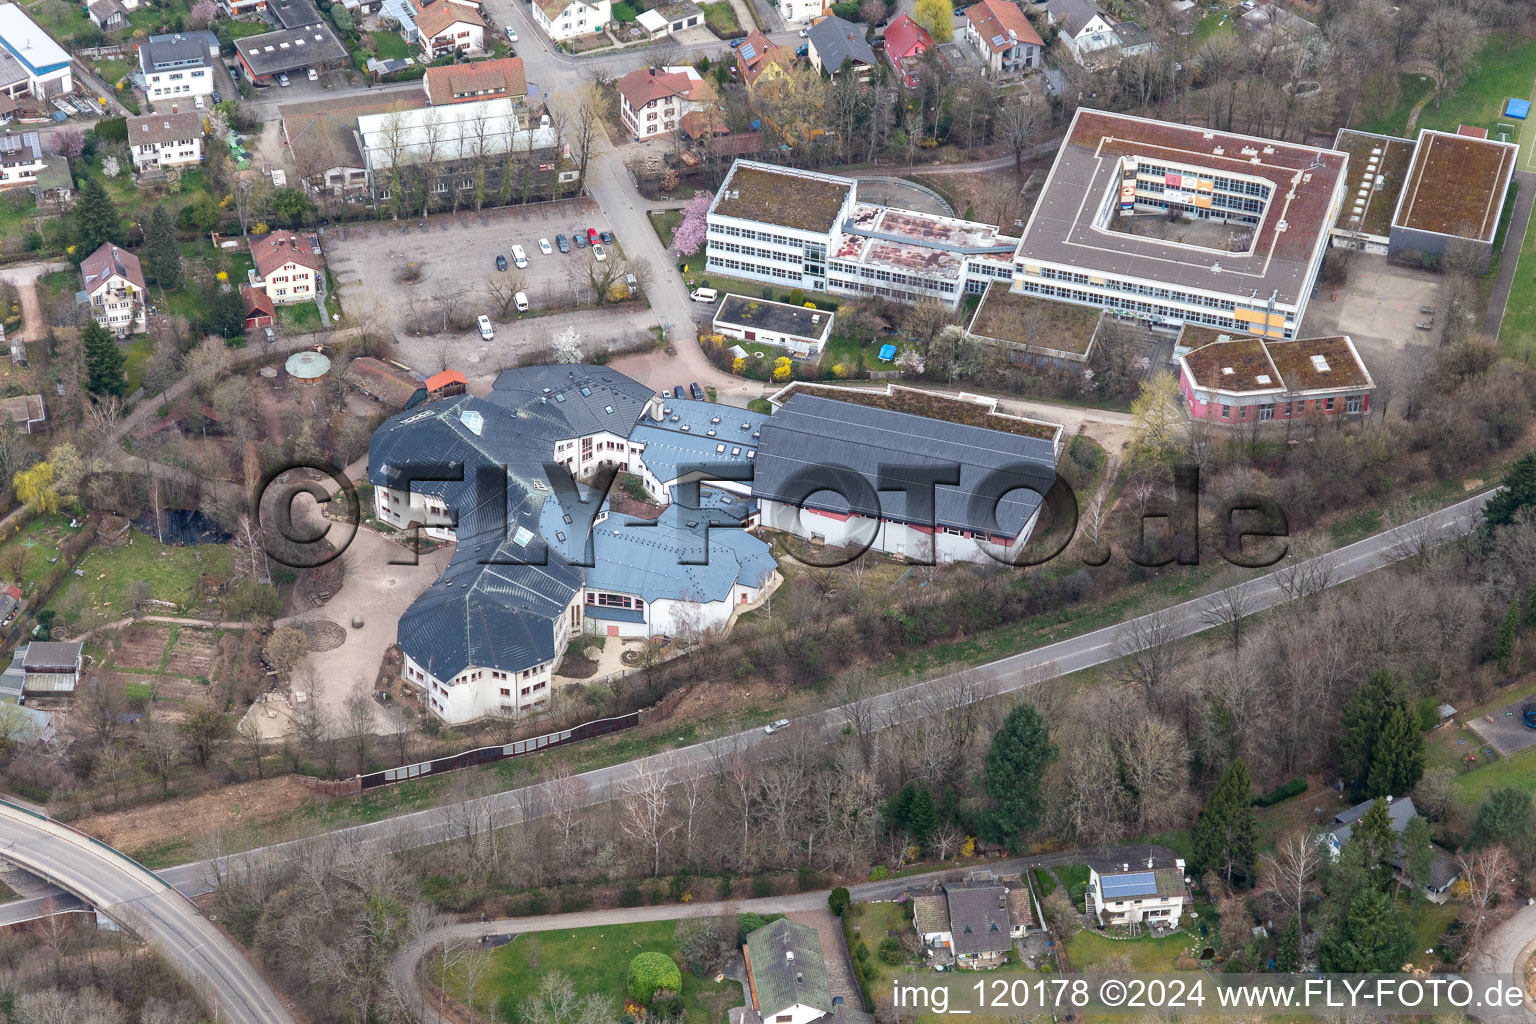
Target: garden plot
point(194, 653)
point(141, 648)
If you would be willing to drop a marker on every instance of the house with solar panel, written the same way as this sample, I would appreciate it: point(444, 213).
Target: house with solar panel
point(518, 481)
point(987, 472)
point(1147, 891)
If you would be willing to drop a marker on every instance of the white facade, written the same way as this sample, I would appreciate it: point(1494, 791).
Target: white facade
point(1162, 910)
point(800, 12)
point(45, 62)
point(181, 82)
point(943, 544)
point(477, 692)
point(178, 153)
point(290, 283)
point(577, 18)
point(660, 115)
point(21, 167)
point(118, 305)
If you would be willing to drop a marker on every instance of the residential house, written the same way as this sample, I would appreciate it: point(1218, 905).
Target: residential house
point(671, 18)
point(484, 79)
point(287, 268)
point(1149, 890)
point(563, 20)
point(175, 67)
point(27, 412)
point(34, 65)
point(652, 100)
point(973, 923)
point(44, 669)
point(1234, 379)
point(834, 43)
point(166, 140)
point(760, 58)
point(10, 603)
point(290, 51)
point(445, 26)
point(802, 12)
point(786, 974)
point(113, 284)
point(1135, 41)
point(999, 31)
point(54, 185)
point(1082, 28)
point(905, 42)
point(801, 332)
point(322, 139)
point(21, 159)
point(259, 311)
point(107, 15)
point(1443, 870)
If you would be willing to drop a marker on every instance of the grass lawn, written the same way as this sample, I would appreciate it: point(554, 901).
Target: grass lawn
point(171, 572)
point(152, 19)
point(1432, 923)
point(596, 960)
point(135, 357)
point(665, 222)
point(1213, 23)
point(242, 29)
point(1392, 120)
point(1518, 771)
point(59, 18)
point(842, 350)
point(112, 71)
point(1501, 69)
point(721, 17)
point(1147, 955)
point(868, 923)
point(41, 537)
point(390, 46)
point(1296, 814)
point(1073, 876)
point(1517, 334)
point(301, 316)
point(624, 12)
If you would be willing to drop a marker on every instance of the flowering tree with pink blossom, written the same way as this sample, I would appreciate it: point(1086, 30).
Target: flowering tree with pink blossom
point(202, 14)
point(688, 238)
point(68, 142)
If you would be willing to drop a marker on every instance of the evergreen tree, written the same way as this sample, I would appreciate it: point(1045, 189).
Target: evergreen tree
point(1418, 857)
point(1506, 649)
point(103, 361)
point(1377, 843)
point(1226, 832)
point(94, 220)
point(1288, 956)
point(922, 816)
point(898, 809)
point(1372, 938)
point(1519, 491)
point(1506, 817)
point(1530, 607)
point(1399, 758)
point(162, 256)
point(1365, 738)
point(1016, 762)
point(226, 312)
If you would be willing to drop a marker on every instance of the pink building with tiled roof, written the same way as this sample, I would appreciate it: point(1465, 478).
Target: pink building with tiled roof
point(287, 268)
point(653, 100)
point(905, 42)
point(1244, 379)
point(114, 283)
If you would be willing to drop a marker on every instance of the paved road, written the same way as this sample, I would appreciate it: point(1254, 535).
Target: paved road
point(1511, 949)
point(1514, 238)
point(145, 905)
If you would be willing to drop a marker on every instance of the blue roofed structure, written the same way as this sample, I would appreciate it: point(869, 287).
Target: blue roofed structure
point(490, 631)
point(693, 433)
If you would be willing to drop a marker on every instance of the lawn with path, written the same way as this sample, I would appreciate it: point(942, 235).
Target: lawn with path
point(597, 962)
point(171, 572)
point(42, 537)
point(1147, 955)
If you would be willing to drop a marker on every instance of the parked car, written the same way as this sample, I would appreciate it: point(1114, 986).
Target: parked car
point(804, 32)
point(677, 392)
point(696, 391)
point(234, 71)
point(314, 75)
point(544, 246)
point(1528, 715)
point(521, 300)
point(736, 42)
point(501, 262)
point(579, 239)
point(803, 50)
point(519, 257)
point(217, 98)
point(598, 253)
point(563, 245)
point(282, 78)
point(511, 34)
point(197, 101)
point(704, 295)
point(606, 236)
point(773, 727)
point(592, 235)
point(270, 335)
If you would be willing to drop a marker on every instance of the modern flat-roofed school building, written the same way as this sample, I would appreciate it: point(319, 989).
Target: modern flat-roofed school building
point(1173, 224)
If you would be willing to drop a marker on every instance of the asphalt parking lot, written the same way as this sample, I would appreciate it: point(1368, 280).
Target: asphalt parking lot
point(457, 253)
point(1378, 307)
point(1503, 730)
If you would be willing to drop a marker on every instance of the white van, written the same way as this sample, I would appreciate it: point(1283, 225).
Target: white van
point(521, 299)
point(486, 330)
point(519, 258)
point(705, 295)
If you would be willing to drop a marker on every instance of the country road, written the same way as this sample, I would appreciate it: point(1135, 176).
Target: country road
point(137, 900)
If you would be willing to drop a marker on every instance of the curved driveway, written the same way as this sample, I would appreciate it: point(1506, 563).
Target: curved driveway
point(140, 902)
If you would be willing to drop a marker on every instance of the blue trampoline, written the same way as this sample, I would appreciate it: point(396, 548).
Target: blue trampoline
point(1518, 109)
point(887, 353)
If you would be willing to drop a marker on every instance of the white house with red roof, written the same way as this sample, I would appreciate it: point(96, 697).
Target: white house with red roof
point(905, 43)
point(447, 26)
point(571, 19)
point(113, 283)
point(998, 30)
point(653, 100)
point(287, 268)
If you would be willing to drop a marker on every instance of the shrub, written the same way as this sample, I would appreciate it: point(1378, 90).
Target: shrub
point(1281, 793)
point(650, 973)
point(746, 924)
point(879, 873)
point(890, 950)
point(630, 896)
point(762, 886)
point(839, 900)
